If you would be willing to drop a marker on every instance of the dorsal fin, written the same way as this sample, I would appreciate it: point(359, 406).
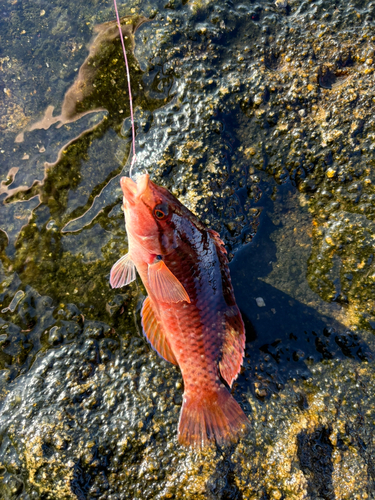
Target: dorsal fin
point(233, 346)
point(154, 333)
point(218, 241)
point(224, 269)
point(234, 337)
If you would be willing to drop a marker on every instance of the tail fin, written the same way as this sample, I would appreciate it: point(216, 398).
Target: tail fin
point(216, 417)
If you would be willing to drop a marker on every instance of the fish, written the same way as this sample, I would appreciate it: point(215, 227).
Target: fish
point(190, 316)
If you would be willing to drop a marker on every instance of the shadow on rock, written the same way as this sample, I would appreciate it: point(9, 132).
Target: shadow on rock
point(315, 457)
point(222, 485)
point(285, 337)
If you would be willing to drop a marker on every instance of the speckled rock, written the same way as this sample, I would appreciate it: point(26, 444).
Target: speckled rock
point(259, 117)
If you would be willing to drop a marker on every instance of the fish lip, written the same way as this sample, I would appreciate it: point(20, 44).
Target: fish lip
point(129, 189)
point(142, 184)
point(134, 190)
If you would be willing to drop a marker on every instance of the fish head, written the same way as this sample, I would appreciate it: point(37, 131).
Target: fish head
point(149, 211)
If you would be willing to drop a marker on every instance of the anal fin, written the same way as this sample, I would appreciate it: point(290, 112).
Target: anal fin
point(233, 346)
point(154, 333)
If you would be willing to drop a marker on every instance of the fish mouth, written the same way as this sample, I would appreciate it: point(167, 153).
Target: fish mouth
point(134, 190)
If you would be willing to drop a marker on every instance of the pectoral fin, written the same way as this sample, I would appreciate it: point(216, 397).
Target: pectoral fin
point(165, 285)
point(123, 272)
point(154, 332)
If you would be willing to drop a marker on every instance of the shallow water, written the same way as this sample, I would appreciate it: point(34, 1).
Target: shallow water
point(259, 117)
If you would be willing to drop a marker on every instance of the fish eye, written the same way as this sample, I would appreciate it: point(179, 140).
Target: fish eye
point(161, 211)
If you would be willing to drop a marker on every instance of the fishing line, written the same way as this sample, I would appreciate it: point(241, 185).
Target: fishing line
point(129, 88)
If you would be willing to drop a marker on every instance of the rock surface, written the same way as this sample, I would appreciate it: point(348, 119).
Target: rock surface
point(259, 117)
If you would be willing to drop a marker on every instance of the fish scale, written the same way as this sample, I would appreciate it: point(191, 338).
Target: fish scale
point(190, 316)
point(201, 316)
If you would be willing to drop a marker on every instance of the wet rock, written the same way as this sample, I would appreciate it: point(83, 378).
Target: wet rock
point(117, 304)
point(315, 456)
point(264, 110)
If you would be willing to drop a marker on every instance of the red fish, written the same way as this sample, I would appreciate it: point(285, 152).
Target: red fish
point(190, 316)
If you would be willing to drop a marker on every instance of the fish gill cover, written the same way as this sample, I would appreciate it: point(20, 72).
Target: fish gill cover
point(259, 117)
